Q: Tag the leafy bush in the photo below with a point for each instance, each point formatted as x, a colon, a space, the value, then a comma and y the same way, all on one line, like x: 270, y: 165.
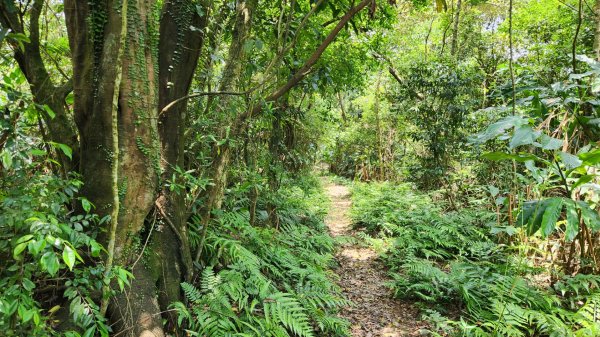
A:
x: 260, y: 281
x: 51, y: 275
x: 47, y: 253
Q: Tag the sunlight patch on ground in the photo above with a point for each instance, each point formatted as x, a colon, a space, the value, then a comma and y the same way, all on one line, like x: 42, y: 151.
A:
x: 360, y: 254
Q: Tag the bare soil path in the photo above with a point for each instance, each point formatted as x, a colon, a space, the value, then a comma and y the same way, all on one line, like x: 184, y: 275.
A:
x: 363, y: 277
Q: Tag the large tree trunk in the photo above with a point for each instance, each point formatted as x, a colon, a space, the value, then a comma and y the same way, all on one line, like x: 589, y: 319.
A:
x: 177, y: 63
x: 95, y: 30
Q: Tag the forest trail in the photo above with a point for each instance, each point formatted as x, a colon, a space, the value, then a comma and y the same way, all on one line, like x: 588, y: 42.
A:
x: 362, y: 278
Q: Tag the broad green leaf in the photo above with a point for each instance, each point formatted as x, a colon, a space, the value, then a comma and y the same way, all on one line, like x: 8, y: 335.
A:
x: 590, y: 216
x: 25, y: 238
x: 50, y: 263
x: 49, y: 111
x: 572, y: 226
x: 19, y: 249
x: 25, y: 314
x: 535, y: 221
x: 36, y: 318
x: 570, y: 161
x: 550, y: 143
x: 35, y: 247
x: 96, y: 248
x: 70, y: 99
x: 590, y: 158
x: 6, y: 159
x: 584, y: 58
x: 89, y: 332
x: 21, y: 245
x: 535, y: 171
x: 499, y: 128
x: 28, y: 284
x: 580, y: 76
x: 86, y: 204
x: 64, y: 148
x: 69, y: 257
x: 521, y: 157
x: 523, y: 136
x: 11, y: 307
x: 525, y: 212
x: 509, y: 230
x: 37, y: 152
x: 584, y: 179
x: 551, y: 215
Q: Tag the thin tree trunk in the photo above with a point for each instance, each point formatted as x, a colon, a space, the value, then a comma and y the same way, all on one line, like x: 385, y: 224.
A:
x: 454, y: 45
x: 230, y: 82
x: 275, y: 139
x: 597, y: 30
x: 342, y: 108
x: 378, y: 129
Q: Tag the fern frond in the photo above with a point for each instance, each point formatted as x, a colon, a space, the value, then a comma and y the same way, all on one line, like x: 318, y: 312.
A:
x: 284, y: 308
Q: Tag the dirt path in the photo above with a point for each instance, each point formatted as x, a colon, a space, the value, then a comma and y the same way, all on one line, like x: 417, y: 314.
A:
x: 363, y: 278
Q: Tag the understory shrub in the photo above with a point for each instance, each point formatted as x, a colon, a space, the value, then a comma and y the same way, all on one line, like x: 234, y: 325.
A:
x: 50, y: 270
x: 263, y: 281
x: 452, y: 264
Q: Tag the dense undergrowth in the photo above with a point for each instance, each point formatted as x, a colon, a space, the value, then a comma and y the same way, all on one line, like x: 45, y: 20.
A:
x: 50, y: 271
x: 265, y: 281
x: 468, y: 282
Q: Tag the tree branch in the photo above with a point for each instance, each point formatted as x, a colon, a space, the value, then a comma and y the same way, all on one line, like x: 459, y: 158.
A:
x: 198, y: 94
x: 310, y: 62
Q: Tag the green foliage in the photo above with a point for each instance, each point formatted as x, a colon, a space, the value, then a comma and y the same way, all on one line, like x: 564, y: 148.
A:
x: 554, y: 155
x: 50, y: 270
x: 449, y: 258
x: 260, y: 281
x: 436, y: 97
x: 43, y: 241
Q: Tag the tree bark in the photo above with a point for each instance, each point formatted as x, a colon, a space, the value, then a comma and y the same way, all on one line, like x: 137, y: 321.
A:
x: 597, y: 30
x: 454, y: 45
x: 275, y: 140
x: 381, y: 164
x: 94, y: 34
x: 178, y: 58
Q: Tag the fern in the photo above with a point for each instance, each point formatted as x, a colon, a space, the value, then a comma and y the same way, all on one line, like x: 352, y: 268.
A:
x: 262, y: 282
x: 285, y: 309
x: 442, y: 258
x: 191, y: 293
